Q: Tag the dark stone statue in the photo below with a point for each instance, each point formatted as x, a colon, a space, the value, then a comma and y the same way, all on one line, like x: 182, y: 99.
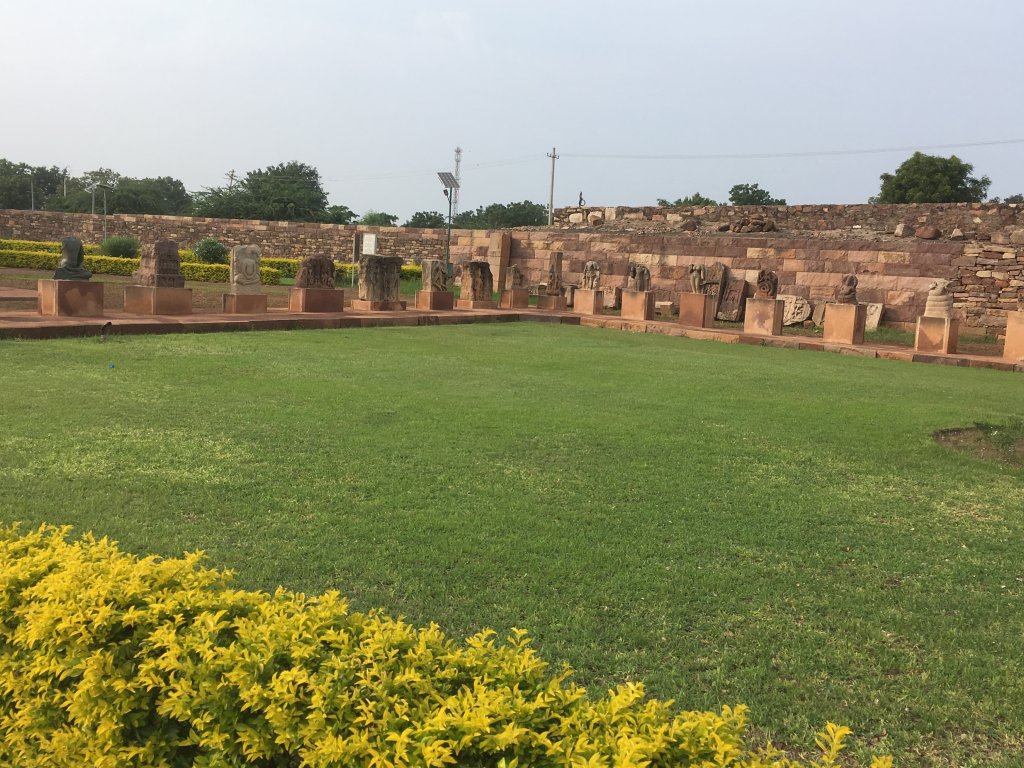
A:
x: 767, y: 284
x: 315, y: 272
x: 72, y: 255
x: 847, y: 293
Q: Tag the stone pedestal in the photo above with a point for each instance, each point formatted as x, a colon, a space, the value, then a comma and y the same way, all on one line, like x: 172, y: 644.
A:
x: 436, y: 300
x: 153, y: 300
x: 364, y: 305
x: 844, y: 323
x: 763, y: 317
x: 1013, y: 348
x: 696, y: 310
x: 554, y: 303
x: 637, y: 305
x: 475, y: 304
x: 245, y: 303
x: 515, y: 298
x: 588, y: 302
x: 936, y: 335
x: 316, y: 300
x: 69, y: 298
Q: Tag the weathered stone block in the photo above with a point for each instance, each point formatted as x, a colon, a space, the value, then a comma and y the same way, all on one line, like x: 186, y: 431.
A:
x: 316, y: 300
x: 1013, y: 348
x: 69, y: 298
x: 763, y: 317
x: 696, y: 310
x: 244, y: 303
x: 154, y: 300
x: 936, y: 335
x: 637, y: 305
x: 435, y: 300
x: 588, y: 302
x: 845, y: 323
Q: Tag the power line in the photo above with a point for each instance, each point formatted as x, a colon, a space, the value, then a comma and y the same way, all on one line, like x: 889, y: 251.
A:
x: 770, y: 155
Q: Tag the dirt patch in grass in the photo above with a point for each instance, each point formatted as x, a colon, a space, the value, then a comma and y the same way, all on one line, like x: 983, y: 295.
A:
x: 1003, y: 443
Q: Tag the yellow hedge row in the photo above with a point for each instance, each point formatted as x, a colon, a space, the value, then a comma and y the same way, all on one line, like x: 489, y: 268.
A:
x: 107, y: 660
x: 41, y: 246
x: 113, y: 265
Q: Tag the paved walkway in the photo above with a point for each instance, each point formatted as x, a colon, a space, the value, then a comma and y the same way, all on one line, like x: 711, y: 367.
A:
x: 28, y: 324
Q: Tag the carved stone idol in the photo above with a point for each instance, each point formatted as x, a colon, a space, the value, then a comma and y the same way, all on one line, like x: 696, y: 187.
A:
x: 554, y: 284
x: 245, y: 269
x: 591, y: 276
x: 767, y: 284
x: 315, y: 272
x: 380, y: 278
x: 940, y: 301
x: 698, y: 275
x: 477, y: 282
x: 847, y: 292
x: 515, y: 280
x: 72, y: 255
x: 639, y: 278
x: 435, y: 275
x: 160, y: 266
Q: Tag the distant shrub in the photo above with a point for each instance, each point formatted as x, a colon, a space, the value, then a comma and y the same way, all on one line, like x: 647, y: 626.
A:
x: 121, y: 246
x: 210, y: 250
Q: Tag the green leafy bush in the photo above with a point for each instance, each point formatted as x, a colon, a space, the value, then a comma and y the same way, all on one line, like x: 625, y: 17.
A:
x: 121, y: 246
x: 111, y: 660
x: 210, y: 250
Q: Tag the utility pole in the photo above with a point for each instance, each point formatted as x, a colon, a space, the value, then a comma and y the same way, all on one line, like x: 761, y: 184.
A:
x: 32, y: 188
x: 458, y: 178
x: 230, y: 176
x: 551, y: 194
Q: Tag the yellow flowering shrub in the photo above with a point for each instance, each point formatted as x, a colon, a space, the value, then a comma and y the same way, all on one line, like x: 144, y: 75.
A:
x: 114, y: 265
x: 108, y: 660
x: 45, y: 246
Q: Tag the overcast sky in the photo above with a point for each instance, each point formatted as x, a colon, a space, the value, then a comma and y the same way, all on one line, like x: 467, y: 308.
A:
x: 377, y: 95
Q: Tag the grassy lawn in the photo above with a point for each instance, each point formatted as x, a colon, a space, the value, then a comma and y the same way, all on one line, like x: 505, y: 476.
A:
x: 725, y: 523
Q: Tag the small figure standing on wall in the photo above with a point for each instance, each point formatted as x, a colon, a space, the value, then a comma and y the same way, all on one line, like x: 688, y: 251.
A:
x: 582, y: 202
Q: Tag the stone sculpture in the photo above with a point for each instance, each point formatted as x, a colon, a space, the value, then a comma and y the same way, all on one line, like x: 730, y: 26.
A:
x: 940, y: 301
x: 380, y: 278
x: 847, y: 292
x: 245, y: 269
x: 698, y: 274
x: 72, y: 255
x: 767, y: 284
x: 714, y: 284
x: 795, y: 310
x: 315, y: 272
x: 732, y: 304
x: 435, y: 275
x: 591, y: 276
x: 515, y: 280
x: 554, y: 284
x: 639, y: 278
x: 159, y: 266
x: 477, y: 282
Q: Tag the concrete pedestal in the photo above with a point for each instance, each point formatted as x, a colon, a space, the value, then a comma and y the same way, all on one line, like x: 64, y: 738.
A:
x: 936, y: 335
x: 696, y: 310
x: 316, y: 300
x: 763, y: 317
x: 436, y: 300
x: 149, y: 300
x: 1013, y: 348
x: 588, y: 302
x: 515, y: 298
x: 245, y: 303
x: 69, y: 298
x: 471, y: 304
x: 844, y: 323
x: 637, y: 305
x: 364, y: 305
x: 554, y: 303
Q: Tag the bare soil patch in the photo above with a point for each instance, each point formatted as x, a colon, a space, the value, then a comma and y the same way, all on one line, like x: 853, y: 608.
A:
x: 1003, y: 443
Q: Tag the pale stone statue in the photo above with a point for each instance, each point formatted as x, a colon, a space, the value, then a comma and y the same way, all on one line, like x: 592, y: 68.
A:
x: 72, y: 255
x: 515, y: 280
x: 477, y: 282
x: 639, y: 278
x: 554, y: 284
x: 591, y: 276
x: 847, y: 293
x: 698, y: 275
x: 315, y: 272
x: 435, y: 275
x: 767, y: 284
x: 940, y: 301
x: 380, y: 278
x: 160, y: 266
x: 245, y: 269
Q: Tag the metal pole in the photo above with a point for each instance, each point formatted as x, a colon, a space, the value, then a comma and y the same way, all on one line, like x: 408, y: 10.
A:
x: 104, y: 214
x: 448, y: 242
x: 551, y: 194
x: 93, y: 190
x: 32, y: 188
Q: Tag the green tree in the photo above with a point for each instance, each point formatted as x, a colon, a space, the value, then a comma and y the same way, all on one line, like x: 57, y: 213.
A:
x: 932, y: 179
x: 696, y: 199
x: 284, y: 192
x: 427, y: 220
x: 378, y: 219
x: 19, y: 180
x: 1018, y: 199
x: 340, y: 214
x: 163, y: 195
x: 503, y: 216
x: 752, y: 194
